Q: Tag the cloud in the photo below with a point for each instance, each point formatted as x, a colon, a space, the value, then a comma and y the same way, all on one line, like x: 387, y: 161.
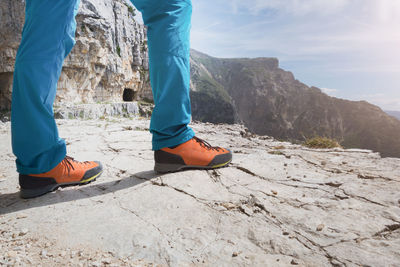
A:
x: 294, y: 7
x: 381, y: 10
x: 329, y: 91
x: 385, y: 69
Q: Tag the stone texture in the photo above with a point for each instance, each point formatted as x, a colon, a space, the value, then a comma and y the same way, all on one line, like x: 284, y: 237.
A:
x: 12, y: 16
x: 278, y: 204
x: 102, y: 111
x: 110, y: 54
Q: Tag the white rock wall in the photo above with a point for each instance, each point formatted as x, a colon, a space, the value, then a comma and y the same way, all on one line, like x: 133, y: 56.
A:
x: 110, y: 54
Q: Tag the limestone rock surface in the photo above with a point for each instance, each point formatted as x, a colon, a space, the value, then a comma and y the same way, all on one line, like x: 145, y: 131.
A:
x: 278, y: 204
x: 103, y: 111
x: 109, y: 62
x: 12, y: 16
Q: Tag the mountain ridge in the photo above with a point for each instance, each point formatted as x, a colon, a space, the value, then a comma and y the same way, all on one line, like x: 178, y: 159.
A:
x: 271, y: 101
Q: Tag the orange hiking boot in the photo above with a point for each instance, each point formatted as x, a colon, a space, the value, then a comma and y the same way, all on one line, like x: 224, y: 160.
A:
x: 193, y: 154
x: 67, y: 172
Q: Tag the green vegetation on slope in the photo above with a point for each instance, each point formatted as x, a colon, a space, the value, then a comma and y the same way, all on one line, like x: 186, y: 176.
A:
x: 321, y: 142
x: 212, y: 88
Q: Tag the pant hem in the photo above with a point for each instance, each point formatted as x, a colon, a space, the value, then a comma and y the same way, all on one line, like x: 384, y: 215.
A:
x: 189, y: 134
x: 46, y: 161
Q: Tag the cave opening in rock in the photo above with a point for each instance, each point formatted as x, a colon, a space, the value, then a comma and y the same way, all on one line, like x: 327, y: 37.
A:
x: 128, y: 95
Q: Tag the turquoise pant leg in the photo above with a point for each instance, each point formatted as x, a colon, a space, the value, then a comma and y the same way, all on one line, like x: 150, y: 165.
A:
x: 168, y: 23
x: 47, y: 38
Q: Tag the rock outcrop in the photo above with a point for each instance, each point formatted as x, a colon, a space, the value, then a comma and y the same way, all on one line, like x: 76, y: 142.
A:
x: 278, y: 204
x: 12, y: 16
x: 269, y: 100
x: 109, y: 62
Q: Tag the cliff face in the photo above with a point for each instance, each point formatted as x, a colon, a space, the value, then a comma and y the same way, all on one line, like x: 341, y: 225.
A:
x: 209, y: 99
x: 109, y: 62
x: 270, y: 101
x: 11, y: 22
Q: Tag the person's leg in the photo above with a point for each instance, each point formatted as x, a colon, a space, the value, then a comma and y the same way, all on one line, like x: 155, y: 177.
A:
x: 47, y: 38
x: 168, y: 34
x: 175, y: 146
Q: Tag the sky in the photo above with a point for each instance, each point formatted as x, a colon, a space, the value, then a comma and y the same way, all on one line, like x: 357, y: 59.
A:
x: 348, y: 48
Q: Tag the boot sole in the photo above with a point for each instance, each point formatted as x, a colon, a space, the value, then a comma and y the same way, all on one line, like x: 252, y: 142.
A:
x: 31, y: 193
x: 166, y: 168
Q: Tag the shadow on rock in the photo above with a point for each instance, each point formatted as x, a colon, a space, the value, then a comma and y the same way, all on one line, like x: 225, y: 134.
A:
x: 10, y: 203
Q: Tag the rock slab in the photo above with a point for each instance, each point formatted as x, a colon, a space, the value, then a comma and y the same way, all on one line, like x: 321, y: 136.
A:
x: 278, y: 204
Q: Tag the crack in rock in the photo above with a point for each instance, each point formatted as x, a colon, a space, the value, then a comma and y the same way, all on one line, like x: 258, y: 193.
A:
x: 319, y: 247
x: 335, y: 171
x: 371, y: 177
x: 202, y: 201
x: 362, y: 198
x: 388, y: 230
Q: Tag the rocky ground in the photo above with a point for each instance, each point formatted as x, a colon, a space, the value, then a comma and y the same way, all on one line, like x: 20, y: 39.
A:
x: 278, y: 204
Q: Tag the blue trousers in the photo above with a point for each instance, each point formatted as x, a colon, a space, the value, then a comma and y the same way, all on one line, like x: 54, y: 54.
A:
x: 48, y: 37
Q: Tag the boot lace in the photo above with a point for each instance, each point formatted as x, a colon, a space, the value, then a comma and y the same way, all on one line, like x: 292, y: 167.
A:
x: 206, y: 145
x: 68, y: 163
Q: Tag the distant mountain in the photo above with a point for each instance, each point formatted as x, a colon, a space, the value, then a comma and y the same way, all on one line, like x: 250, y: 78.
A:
x: 393, y: 113
x: 270, y: 101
